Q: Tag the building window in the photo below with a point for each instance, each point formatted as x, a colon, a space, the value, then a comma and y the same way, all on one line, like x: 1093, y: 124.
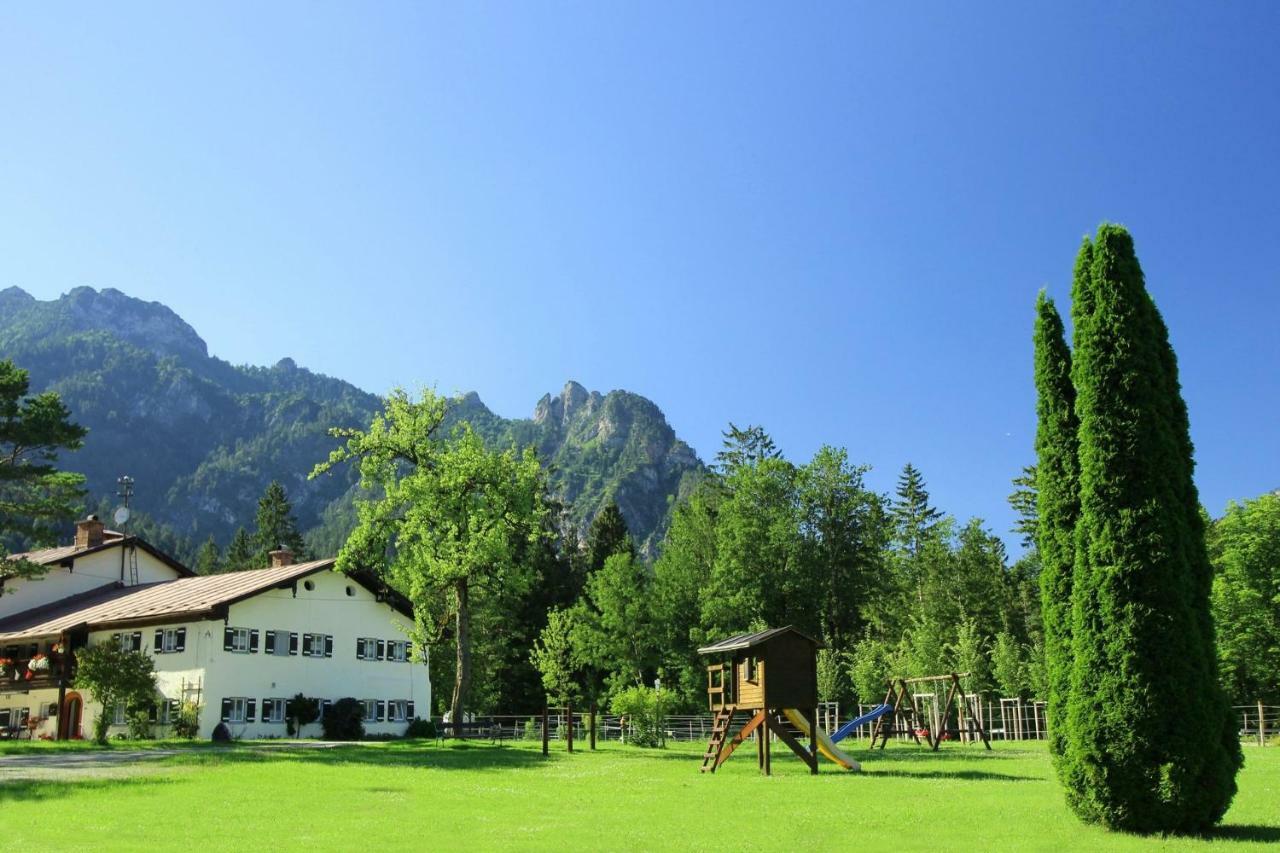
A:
x: 237, y: 710
x: 317, y: 645
x: 366, y: 648
x: 170, y: 640
x: 240, y: 640
x: 273, y: 710
x: 398, y: 710
x: 120, y: 715
x: 129, y: 642
x: 371, y: 710
x: 280, y: 643
x: 751, y: 669
x: 397, y: 651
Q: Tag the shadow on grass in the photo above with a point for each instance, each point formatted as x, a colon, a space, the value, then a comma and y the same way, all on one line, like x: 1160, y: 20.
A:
x: 962, y: 775
x: 397, y: 754
x: 40, y: 790
x: 1247, y: 832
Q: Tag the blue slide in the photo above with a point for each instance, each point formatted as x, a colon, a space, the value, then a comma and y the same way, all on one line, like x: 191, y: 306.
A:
x: 851, y: 726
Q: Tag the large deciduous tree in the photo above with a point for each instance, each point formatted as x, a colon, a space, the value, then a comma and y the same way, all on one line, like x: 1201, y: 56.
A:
x: 443, y: 520
x: 1150, y: 742
x: 1246, y: 598
x: 35, y: 497
x: 114, y: 676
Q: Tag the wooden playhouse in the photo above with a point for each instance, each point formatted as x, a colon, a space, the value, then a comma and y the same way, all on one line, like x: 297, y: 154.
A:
x: 759, y: 679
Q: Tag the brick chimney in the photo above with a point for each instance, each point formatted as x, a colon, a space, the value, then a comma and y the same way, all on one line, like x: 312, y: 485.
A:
x: 89, y: 532
x: 282, y: 556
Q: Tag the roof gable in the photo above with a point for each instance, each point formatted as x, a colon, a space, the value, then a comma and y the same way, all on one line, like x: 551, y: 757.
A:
x: 740, y: 642
x: 66, y: 555
x: 197, y: 597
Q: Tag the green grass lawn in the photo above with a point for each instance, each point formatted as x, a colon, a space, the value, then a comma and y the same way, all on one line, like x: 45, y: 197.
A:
x: 413, y: 795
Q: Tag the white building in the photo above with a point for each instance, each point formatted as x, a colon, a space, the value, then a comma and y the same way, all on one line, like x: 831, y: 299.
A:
x: 238, y: 644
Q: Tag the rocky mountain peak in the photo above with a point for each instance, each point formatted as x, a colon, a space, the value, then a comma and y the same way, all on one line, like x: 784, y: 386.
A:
x: 12, y: 298
x: 146, y: 325
x: 559, y: 411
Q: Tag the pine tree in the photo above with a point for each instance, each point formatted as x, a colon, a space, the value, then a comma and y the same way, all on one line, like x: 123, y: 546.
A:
x: 749, y: 446
x: 1150, y: 740
x: 208, y: 558
x: 912, y: 515
x: 242, y: 553
x: 608, y: 536
x: 914, y: 523
x: 1057, y: 500
x: 277, y: 528
x: 35, y: 497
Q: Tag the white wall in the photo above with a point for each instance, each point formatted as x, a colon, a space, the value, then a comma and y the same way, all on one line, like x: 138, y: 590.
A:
x: 326, y: 609
x: 90, y: 571
x: 34, y: 702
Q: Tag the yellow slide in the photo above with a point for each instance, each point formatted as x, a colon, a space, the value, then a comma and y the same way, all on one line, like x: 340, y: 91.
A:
x: 825, y: 746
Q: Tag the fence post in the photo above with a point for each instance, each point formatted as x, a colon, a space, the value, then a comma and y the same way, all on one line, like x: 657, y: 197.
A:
x: 1262, y: 727
x: 593, y: 725
x: 546, y: 719
x: 569, y: 713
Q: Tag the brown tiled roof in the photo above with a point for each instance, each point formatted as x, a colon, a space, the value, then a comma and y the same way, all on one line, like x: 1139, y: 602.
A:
x: 111, y: 539
x: 194, y: 597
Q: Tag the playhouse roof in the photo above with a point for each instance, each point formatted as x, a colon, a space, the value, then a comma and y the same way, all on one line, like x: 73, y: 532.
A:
x: 738, y: 642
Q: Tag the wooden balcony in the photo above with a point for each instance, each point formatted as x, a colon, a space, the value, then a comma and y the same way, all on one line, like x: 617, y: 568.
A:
x: 19, y: 679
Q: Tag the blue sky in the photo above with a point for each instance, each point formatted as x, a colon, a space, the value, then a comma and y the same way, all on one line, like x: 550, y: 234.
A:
x: 831, y: 221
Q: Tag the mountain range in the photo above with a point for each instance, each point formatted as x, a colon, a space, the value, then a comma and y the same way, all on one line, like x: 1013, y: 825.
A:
x: 202, y: 437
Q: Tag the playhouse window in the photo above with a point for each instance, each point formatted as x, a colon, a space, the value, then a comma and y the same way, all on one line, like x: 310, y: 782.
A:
x: 751, y: 669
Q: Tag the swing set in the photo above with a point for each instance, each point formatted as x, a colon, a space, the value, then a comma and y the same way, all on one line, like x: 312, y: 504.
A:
x: 933, y: 707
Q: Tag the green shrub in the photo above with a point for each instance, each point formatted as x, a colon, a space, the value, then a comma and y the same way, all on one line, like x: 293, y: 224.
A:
x: 300, y: 712
x: 187, y: 724
x: 420, y: 728
x: 344, y: 720
x: 140, y: 725
x: 531, y: 730
x: 645, y: 713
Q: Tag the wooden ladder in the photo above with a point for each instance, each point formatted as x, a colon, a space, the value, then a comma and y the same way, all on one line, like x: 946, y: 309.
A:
x: 719, y: 730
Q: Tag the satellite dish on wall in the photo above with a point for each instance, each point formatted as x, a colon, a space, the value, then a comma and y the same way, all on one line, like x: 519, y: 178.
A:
x: 122, y: 515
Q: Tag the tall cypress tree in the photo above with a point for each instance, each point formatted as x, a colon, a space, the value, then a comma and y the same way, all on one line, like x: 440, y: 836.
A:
x: 1057, y: 501
x: 1149, y: 743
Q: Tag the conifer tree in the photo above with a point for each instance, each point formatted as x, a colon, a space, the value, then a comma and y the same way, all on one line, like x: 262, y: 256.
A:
x: 1150, y: 739
x: 241, y: 553
x: 35, y: 497
x: 608, y: 536
x: 914, y: 522
x: 208, y: 558
x: 277, y: 528
x: 912, y: 515
x: 1057, y: 500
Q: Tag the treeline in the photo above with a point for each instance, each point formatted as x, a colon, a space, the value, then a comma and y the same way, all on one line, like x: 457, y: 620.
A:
x: 888, y: 583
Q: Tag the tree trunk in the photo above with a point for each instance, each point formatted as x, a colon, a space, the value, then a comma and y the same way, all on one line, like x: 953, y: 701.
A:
x: 462, y: 674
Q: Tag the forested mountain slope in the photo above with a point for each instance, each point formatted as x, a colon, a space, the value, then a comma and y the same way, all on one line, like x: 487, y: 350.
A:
x: 202, y: 438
